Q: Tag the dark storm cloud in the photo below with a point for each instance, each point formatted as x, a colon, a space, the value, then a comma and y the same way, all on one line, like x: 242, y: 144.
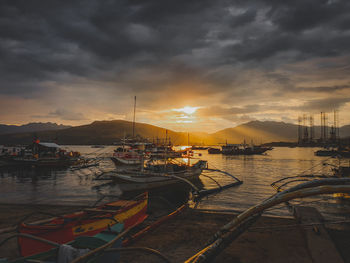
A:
x: 244, y: 18
x: 299, y: 15
x: 63, y: 114
x: 145, y: 47
x: 327, y: 104
x: 326, y: 89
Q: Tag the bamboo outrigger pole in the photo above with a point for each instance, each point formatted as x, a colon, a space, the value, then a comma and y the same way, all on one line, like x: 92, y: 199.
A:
x: 231, y: 230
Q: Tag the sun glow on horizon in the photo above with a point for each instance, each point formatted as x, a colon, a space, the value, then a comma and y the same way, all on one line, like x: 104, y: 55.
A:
x: 187, y: 109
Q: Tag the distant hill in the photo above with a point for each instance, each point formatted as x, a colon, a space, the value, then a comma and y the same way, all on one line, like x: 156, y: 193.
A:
x: 345, y: 131
x: 268, y: 131
x: 31, y: 127
x: 98, y: 132
x: 108, y: 132
x: 259, y: 132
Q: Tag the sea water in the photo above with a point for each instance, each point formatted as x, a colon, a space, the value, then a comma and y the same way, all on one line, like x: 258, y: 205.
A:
x: 66, y: 187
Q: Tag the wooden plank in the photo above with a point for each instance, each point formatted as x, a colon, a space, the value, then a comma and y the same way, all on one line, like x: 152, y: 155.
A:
x: 319, y: 243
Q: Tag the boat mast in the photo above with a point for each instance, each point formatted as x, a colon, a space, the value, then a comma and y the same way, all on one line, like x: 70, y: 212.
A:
x: 166, y: 150
x: 133, y: 123
x: 188, y: 150
x: 166, y: 137
x: 124, y: 142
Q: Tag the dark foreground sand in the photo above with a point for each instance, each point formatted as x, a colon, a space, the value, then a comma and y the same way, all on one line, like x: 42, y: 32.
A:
x: 184, y: 235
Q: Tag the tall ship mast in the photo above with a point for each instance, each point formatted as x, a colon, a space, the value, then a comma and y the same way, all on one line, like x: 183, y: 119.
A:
x: 133, y: 122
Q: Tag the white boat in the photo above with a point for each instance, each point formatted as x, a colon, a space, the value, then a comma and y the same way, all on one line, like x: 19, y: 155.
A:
x: 160, y: 175
x: 131, y: 154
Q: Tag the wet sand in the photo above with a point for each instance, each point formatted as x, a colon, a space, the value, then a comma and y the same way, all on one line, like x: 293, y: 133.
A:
x: 183, y: 236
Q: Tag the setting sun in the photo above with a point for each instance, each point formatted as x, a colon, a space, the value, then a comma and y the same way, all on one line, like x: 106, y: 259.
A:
x: 187, y: 109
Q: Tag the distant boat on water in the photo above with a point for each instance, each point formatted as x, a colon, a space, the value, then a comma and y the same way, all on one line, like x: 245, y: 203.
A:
x: 212, y: 150
x: 243, y: 149
x: 39, y: 154
x: 194, y: 147
x: 340, y: 151
x: 326, y: 153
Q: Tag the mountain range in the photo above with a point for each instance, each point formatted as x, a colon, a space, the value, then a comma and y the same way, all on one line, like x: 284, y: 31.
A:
x: 108, y: 132
x: 31, y: 127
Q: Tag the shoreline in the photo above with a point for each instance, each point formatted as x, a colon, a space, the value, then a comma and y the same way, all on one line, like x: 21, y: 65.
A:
x: 184, y: 235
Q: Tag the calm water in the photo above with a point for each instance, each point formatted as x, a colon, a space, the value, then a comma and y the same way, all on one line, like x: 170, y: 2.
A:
x: 257, y: 172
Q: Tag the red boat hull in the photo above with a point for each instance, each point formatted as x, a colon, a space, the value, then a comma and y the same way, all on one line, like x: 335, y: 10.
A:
x: 86, y: 223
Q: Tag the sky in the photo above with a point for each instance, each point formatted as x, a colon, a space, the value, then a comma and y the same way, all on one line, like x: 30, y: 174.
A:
x: 193, y: 65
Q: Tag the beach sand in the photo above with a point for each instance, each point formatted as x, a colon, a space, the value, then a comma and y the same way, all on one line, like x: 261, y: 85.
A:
x: 184, y: 235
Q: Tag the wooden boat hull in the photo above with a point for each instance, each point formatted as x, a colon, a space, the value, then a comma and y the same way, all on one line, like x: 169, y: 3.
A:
x: 86, y: 223
x: 134, y: 182
x: 326, y: 153
x: 162, y: 155
x: 42, y: 162
x: 214, y: 151
x: 121, y: 161
x: 244, y: 152
x: 138, y: 187
x: 142, y: 179
x: 83, y: 242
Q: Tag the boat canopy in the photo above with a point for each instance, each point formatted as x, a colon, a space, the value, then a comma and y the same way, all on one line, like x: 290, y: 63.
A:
x: 49, y: 145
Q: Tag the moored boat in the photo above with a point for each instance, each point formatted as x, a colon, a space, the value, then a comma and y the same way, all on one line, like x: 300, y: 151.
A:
x: 161, y: 151
x: 344, y: 152
x: 88, y: 222
x: 243, y: 149
x: 40, y: 154
x: 81, y: 249
x: 196, y: 147
x: 326, y: 153
x: 129, y: 154
x: 212, y: 150
x: 158, y: 175
x: 97, y: 146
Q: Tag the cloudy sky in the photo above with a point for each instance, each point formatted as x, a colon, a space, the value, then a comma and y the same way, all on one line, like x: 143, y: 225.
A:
x: 193, y: 65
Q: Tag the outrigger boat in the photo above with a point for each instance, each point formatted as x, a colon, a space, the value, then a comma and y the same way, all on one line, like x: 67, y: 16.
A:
x: 238, y: 149
x: 40, y: 154
x: 88, y: 222
x: 81, y: 249
x: 212, y: 150
x: 158, y: 175
x: 129, y: 154
x: 165, y: 150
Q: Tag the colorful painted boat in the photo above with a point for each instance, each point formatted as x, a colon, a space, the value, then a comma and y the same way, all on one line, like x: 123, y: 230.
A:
x: 82, y: 249
x: 88, y: 222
